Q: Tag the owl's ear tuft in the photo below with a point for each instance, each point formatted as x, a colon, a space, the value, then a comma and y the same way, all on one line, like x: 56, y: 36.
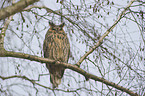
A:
x: 51, y: 24
x: 62, y: 25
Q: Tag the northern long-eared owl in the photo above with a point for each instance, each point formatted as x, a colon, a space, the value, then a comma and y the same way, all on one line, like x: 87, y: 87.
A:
x: 56, y: 47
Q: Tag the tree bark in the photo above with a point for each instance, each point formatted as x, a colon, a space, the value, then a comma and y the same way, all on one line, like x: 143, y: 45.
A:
x: 15, y: 8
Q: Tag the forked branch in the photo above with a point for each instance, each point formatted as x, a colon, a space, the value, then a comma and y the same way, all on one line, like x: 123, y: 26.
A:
x: 104, y: 35
x: 15, y: 8
x: 69, y: 66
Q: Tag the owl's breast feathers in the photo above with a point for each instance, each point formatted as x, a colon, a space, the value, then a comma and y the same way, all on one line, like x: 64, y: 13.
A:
x: 56, y: 46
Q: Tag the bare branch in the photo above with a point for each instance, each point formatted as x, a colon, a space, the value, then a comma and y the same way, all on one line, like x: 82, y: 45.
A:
x: 41, y: 7
x: 104, y: 35
x: 2, y: 35
x: 34, y: 82
x: 69, y: 66
x: 25, y: 78
x: 15, y: 8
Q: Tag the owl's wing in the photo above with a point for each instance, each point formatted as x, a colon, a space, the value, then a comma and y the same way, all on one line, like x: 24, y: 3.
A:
x: 46, y: 46
x: 66, y: 50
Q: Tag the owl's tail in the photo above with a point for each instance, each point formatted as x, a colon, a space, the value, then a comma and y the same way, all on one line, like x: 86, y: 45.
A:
x: 55, y: 80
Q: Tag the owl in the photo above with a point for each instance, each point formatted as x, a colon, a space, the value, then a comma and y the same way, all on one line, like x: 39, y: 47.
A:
x: 56, y: 47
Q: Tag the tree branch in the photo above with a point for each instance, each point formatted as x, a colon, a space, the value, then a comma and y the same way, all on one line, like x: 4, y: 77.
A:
x: 2, y: 34
x: 34, y: 82
x: 67, y: 65
x: 104, y: 35
x: 15, y: 8
x: 42, y: 7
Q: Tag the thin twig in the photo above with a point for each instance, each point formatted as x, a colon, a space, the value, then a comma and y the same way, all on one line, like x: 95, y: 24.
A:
x: 104, y: 35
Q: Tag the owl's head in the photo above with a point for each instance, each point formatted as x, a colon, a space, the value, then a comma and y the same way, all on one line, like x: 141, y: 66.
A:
x: 56, y: 28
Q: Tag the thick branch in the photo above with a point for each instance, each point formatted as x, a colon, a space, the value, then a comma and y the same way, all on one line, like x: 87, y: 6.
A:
x: 104, y: 35
x: 2, y: 35
x: 15, y: 8
x: 69, y: 66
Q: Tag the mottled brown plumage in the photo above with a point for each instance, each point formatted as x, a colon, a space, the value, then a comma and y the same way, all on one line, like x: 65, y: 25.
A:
x: 56, y: 46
